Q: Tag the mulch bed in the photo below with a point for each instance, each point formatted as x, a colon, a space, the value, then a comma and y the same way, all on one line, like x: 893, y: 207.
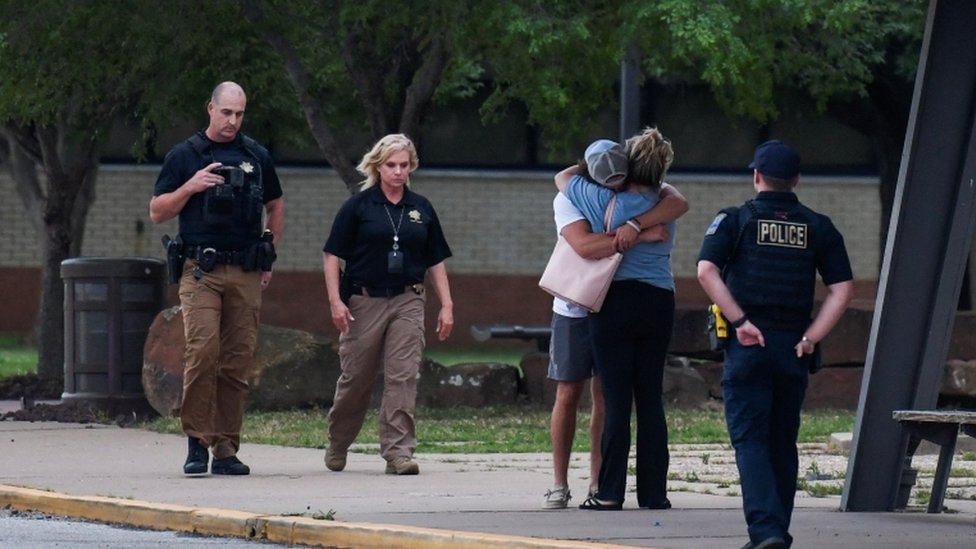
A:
x: 29, y: 387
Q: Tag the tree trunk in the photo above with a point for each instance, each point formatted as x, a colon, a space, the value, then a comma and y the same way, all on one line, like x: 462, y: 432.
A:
x: 64, y: 222
x: 883, y: 116
x: 300, y: 80
x: 50, y: 319
x: 890, y: 104
x: 58, y: 211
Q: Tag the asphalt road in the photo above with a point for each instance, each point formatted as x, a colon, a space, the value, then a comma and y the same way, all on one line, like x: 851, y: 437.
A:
x: 39, y: 531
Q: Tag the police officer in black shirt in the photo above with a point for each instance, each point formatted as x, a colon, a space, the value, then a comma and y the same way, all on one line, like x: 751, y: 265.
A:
x: 389, y: 237
x: 759, y: 263
x: 220, y: 183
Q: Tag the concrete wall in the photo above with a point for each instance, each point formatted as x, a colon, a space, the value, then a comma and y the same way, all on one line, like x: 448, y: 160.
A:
x: 499, y: 226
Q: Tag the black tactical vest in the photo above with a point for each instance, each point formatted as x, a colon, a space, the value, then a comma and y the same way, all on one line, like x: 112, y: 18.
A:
x: 237, y: 206
x: 774, y: 272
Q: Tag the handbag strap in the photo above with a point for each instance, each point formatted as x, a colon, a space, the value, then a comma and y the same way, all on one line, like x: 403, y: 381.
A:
x: 608, y: 213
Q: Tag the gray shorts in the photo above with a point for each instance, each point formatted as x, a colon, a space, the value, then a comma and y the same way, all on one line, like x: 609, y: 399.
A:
x: 570, y: 351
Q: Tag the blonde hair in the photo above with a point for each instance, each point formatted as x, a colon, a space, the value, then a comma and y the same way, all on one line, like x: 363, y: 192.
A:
x: 381, y: 151
x: 650, y: 155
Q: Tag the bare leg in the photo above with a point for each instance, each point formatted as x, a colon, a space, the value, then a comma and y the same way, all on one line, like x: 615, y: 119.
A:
x: 563, y: 428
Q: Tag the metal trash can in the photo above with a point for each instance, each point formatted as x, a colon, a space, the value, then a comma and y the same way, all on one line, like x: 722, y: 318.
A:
x: 109, y: 304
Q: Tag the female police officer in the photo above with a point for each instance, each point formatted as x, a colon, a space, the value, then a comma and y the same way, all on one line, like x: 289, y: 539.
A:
x: 389, y: 237
x: 771, y: 250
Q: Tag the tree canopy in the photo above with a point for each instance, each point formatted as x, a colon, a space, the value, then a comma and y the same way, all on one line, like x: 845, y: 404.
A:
x: 347, y: 72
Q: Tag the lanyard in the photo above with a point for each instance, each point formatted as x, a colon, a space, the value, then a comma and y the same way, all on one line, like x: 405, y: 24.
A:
x: 396, y: 228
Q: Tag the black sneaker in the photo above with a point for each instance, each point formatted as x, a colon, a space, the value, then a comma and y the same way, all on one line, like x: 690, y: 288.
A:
x: 771, y: 543
x: 229, y: 466
x: 196, y: 458
x: 663, y: 504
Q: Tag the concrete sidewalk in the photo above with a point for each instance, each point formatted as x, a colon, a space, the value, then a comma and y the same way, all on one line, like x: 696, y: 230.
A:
x: 134, y: 477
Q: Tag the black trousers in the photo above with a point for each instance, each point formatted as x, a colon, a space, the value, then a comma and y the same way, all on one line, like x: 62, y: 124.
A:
x: 630, y: 335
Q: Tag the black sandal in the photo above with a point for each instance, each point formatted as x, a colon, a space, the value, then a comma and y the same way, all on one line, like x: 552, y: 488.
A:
x: 593, y: 504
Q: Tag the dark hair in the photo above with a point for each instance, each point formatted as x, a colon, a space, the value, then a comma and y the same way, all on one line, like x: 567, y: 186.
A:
x: 778, y: 183
x: 584, y: 171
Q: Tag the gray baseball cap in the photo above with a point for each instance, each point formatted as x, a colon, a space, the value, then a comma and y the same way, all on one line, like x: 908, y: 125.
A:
x: 606, y: 161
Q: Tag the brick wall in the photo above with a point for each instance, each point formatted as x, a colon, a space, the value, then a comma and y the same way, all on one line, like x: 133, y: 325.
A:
x: 497, y: 223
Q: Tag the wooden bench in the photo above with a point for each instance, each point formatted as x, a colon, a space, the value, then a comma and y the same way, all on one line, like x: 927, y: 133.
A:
x: 939, y: 427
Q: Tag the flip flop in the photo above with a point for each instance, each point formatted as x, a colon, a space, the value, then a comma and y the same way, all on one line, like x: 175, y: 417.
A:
x: 593, y: 504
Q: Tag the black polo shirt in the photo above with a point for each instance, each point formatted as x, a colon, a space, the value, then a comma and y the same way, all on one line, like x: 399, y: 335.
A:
x: 362, y: 234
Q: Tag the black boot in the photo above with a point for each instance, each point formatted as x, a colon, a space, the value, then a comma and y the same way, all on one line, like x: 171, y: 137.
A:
x: 196, y: 458
x: 229, y: 466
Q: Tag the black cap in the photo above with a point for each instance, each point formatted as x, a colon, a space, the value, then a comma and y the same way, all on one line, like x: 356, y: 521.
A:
x: 776, y: 159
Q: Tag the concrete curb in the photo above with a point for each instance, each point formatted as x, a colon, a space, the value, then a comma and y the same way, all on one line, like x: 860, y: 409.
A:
x: 272, y: 528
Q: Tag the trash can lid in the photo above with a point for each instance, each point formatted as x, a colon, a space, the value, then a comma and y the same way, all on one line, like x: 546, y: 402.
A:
x: 125, y: 267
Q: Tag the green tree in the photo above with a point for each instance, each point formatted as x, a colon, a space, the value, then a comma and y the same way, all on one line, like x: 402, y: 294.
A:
x: 354, y: 71
x: 855, y: 59
x: 363, y: 69
x: 56, y: 108
x: 364, y: 61
x: 69, y: 70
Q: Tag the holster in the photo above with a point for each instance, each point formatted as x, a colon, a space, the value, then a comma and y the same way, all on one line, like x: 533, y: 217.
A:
x: 816, y: 360
x: 250, y: 258
x: 266, y: 254
x: 174, y: 257
x: 260, y: 255
x: 717, y: 328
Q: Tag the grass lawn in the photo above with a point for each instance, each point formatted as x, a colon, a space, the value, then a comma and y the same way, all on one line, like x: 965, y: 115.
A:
x: 17, y: 356
x: 517, y: 428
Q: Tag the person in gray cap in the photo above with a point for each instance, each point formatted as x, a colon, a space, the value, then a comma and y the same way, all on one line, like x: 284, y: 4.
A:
x: 571, y: 360
x: 759, y: 264
x: 631, y: 333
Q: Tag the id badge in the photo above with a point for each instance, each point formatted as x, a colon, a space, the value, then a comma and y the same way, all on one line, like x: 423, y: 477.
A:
x: 394, y: 262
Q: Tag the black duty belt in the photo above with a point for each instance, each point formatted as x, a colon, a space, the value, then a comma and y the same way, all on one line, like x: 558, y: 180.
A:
x: 370, y: 291
x: 221, y: 257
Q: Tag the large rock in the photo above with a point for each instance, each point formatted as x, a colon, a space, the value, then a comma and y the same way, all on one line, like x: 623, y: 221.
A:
x: 291, y: 369
x: 683, y: 385
x: 296, y: 369
x: 534, y: 383
x: 162, y: 362
x: 480, y: 384
x: 959, y: 378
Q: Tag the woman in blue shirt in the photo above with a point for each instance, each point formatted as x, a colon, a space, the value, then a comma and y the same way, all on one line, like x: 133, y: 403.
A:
x: 632, y: 331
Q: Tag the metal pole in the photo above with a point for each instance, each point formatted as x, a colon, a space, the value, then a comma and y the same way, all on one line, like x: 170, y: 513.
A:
x: 924, y: 263
x: 630, y: 94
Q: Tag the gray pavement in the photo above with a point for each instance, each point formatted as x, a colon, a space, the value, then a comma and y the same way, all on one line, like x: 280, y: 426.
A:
x: 134, y: 477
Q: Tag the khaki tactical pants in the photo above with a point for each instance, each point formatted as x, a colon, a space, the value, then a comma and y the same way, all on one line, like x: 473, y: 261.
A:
x: 220, y: 317
x: 387, y: 336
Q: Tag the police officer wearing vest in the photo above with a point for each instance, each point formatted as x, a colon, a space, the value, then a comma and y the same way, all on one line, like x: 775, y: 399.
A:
x: 220, y: 183
x: 759, y: 263
x: 389, y: 238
